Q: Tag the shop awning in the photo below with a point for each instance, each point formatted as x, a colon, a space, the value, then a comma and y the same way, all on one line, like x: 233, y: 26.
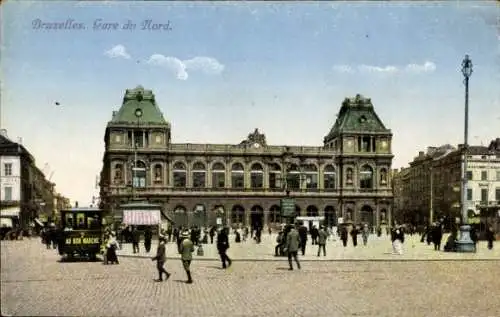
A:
x: 10, y: 212
x: 141, y: 217
x: 6, y: 222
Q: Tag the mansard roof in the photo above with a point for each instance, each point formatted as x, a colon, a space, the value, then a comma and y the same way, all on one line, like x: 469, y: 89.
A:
x: 138, y: 98
x: 357, y: 115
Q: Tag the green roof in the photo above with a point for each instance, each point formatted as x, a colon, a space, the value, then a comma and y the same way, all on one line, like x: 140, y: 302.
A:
x: 142, y: 99
x: 356, y: 115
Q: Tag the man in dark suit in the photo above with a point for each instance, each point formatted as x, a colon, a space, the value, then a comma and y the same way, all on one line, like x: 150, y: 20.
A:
x: 292, y: 247
x: 222, y: 246
x: 303, y: 238
x: 160, y: 260
x: 136, y: 237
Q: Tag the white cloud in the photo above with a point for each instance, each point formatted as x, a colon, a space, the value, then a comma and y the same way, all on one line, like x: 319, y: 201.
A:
x: 427, y: 67
x: 205, y: 64
x: 117, y: 51
x: 343, y: 69
x: 378, y: 69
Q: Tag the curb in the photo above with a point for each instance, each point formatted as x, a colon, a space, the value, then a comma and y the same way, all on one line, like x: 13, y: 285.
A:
x: 284, y: 259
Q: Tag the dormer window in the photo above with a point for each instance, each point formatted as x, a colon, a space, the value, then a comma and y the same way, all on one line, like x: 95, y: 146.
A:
x: 362, y: 119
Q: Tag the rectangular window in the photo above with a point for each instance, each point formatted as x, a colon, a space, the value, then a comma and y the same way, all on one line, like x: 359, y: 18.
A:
x: 256, y: 180
x: 484, y: 195
x: 312, y: 181
x: 130, y: 139
x: 293, y: 181
x: 274, y: 180
x: 498, y: 175
x: 238, y: 180
x: 484, y: 175
x: 469, y: 194
x: 7, y: 167
x: 218, y: 179
x: 329, y: 180
x: 199, y: 179
x: 8, y: 193
x: 497, y: 194
x: 469, y: 175
x: 139, y: 139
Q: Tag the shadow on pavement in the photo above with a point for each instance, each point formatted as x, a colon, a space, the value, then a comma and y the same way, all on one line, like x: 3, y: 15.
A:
x: 77, y: 260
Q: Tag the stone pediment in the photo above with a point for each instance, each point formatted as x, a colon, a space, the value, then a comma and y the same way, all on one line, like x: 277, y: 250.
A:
x: 254, y: 139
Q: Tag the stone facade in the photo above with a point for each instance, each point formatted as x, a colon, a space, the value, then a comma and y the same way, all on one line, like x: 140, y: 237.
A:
x: 244, y: 183
x: 433, y: 179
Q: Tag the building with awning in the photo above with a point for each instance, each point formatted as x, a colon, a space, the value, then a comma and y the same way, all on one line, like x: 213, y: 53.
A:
x: 142, y: 213
x: 9, y: 216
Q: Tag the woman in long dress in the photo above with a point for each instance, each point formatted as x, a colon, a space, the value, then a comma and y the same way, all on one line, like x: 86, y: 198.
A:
x: 397, y: 240
x: 112, y: 246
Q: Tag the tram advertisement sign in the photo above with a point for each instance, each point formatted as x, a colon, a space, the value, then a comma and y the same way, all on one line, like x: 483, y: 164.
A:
x: 288, y: 207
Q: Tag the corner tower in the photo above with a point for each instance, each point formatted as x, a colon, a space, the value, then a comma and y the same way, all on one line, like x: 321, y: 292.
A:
x: 136, y: 144
x: 363, y: 157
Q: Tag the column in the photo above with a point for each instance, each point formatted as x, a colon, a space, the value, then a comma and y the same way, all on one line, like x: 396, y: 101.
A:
x: 189, y: 178
x: 170, y: 175
x: 321, y: 177
x: 266, y: 176
x: 209, y: 176
x: 266, y: 218
x: 389, y: 216
x: 246, y: 218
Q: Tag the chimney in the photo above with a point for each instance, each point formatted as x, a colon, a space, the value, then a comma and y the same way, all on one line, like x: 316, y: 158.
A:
x: 421, y: 153
x: 114, y: 114
x: 20, y: 140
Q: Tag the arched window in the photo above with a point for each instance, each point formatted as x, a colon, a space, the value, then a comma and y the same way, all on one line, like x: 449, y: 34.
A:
x: 293, y: 178
x: 312, y: 211
x: 199, y: 175
x: 237, y: 176
x: 275, y: 214
x: 330, y: 177
x: 237, y: 215
x: 180, y: 216
x: 179, y: 173
x: 118, y: 175
x: 218, y: 175
x: 366, y: 177
x: 274, y: 176
x: 311, y: 176
x: 158, y: 174
x: 257, y: 175
x: 139, y: 175
x: 383, y: 176
x: 330, y: 216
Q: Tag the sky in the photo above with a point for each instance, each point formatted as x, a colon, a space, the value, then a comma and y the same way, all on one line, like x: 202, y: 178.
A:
x: 220, y: 70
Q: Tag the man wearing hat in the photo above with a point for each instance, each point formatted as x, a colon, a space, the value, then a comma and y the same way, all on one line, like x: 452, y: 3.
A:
x: 160, y: 259
x: 186, y: 250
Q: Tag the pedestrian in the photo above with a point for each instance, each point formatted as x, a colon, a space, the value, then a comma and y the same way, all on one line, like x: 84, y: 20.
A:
x: 490, y: 237
x: 187, y: 249
x: 303, y: 238
x: 322, y: 236
x: 343, y: 236
x: 354, y: 235
x: 111, y: 247
x: 212, y: 234
x: 222, y: 246
x: 280, y: 242
x: 437, y: 236
x: 292, y: 247
x: 160, y: 260
x: 148, y: 236
x: 365, y: 234
x: 397, y: 237
x: 136, y: 237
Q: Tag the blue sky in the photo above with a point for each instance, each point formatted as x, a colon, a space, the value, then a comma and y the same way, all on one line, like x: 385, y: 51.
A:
x: 223, y: 69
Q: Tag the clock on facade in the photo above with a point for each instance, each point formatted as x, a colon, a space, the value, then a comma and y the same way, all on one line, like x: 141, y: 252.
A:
x: 158, y: 139
x: 256, y: 145
x: 118, y: 138
x: 384, y: 144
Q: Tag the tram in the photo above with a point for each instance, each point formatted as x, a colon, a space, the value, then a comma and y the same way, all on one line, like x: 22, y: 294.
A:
x: 81, y: 232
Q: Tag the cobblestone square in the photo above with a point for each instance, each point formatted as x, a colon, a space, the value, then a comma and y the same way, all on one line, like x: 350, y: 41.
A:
x: 33, y: 282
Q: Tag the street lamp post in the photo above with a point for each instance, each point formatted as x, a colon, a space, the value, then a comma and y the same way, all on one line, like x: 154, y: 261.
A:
x: 465, y: 244
x: 138, y: 115
x: 431, y: 211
